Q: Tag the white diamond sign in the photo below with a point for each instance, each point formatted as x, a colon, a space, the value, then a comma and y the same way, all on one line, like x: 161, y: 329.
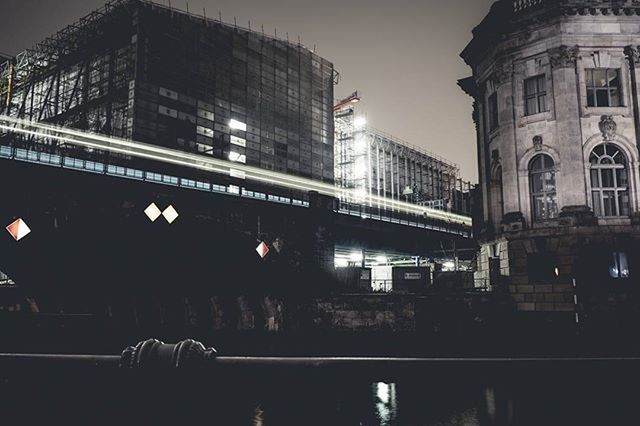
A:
x: 152, y: 212
x: 262, y: 249
x: 170, y: 214
x: 18, y: 229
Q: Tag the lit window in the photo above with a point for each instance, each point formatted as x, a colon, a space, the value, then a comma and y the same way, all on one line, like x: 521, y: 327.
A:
x: 205, y: 114
x: 609, y: 181
x: 535, y: 95
x: 238, y: 141
x: 238, y: 125
x: 204, y: 148
x: 237, y: 157
x: 619, y: 266
x: 603, y: 87
x: 542, y: 183
x: 204, y: 131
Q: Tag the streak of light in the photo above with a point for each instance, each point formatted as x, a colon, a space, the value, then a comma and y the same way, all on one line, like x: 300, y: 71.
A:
x: 177, y: 157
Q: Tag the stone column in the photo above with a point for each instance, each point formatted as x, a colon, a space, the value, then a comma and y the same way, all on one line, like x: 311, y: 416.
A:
x: 570, y: 181
x: 633, y: 56
x: 502, y: 78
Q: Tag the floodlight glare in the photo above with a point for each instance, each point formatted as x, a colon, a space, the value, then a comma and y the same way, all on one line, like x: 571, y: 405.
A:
x: 360, y: 122
x: 355, y: 256
x: 238, y: 125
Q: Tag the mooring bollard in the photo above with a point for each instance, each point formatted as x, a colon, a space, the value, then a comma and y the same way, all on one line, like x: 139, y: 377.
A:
x: 153, y: 353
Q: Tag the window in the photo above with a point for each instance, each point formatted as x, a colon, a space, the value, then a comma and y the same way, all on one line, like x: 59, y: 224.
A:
x: 492, y: 109
x: 603, y: 87
x: 237, y: 157
x: 619, y: 267
x: 609, y: 181
x: 542, y: 182
x: 535, y: 95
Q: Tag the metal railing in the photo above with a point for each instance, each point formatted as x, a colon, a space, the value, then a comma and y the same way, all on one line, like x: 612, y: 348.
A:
x: 189, y: 354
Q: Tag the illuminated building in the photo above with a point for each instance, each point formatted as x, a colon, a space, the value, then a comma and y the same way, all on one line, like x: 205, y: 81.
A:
x: 556, y: 109
x: 146, y: 72
x: 379, y: 167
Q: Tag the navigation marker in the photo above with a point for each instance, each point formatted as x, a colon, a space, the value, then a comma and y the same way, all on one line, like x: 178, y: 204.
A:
x: 18, y: 229
x: 262, y: 249
x: 170, y: 214
x: 152, y: 212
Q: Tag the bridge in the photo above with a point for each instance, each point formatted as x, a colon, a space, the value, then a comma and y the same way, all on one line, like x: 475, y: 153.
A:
x: 84, y: 194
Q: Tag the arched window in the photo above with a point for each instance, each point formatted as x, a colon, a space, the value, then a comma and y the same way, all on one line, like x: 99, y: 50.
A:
x: 542, y: 182
x: 609, y: 181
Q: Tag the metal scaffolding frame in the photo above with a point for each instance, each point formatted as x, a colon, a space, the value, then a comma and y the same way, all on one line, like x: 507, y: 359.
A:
x: 371, y: 162
x: 75, y: 77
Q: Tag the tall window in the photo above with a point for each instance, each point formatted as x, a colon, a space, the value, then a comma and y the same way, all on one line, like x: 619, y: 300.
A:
x: 609, y: 181
x: 492, y: 109
x: 535, y: 95
x: 603, y: 87
x: 542, y: 181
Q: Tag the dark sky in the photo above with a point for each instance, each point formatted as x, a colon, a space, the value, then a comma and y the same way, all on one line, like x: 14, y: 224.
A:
x: 402, y: 54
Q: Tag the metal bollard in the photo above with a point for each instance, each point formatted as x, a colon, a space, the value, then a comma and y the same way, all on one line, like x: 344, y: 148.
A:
x: 153, y: 353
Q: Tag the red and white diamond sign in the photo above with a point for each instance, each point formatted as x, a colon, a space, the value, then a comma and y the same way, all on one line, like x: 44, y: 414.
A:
x: 18, y: 229
x: 262, y: 249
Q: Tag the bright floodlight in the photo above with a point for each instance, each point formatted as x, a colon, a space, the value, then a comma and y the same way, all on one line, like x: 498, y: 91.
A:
x: 238, y: 125
x: 360, y: 122
x: 341, y: 263
x: 449, y: 266
x: 356, y: 256
x: 152, y: 212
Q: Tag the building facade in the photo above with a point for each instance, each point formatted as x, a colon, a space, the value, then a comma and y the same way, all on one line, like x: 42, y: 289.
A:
x: 146, y: 72
x: 555, y: 89
x: 377, y: 167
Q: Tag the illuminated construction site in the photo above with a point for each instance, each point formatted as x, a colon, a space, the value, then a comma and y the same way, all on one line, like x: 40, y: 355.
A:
x: 380, y: 168
x: 146, y: 72
x: 148, y: 94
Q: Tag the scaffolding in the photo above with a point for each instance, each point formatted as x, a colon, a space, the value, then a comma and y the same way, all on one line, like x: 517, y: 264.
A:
x: 75, y: 77
x: 370, y: 162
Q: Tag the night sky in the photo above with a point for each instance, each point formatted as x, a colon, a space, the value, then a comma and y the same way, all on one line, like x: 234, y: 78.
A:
x: 402, y: 55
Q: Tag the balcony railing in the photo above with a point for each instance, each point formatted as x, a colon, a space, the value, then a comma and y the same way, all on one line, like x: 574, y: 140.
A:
x: 521, y: 5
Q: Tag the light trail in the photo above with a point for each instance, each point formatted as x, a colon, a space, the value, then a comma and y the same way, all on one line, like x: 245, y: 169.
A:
x: 215, y: 165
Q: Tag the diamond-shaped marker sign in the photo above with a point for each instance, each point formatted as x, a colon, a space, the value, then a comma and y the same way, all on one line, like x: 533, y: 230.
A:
x: 152, y: 212
x: 262, y: 249
x: 18, y: 229
x: 170, y: 214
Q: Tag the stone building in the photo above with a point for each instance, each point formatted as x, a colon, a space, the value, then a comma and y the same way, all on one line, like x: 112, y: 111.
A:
x: 555, y: 87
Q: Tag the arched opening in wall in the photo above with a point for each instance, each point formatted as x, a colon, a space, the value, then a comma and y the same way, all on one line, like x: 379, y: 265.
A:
x: 542, y: 184
x: 609, y: 181
x: 496, y: 196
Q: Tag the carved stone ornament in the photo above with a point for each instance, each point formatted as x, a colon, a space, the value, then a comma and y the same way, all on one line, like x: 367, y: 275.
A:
x: 563, y: 57
x: 633, y: 54
x: 502, y: 71
x: 608, y: 127
x: 537, y: 142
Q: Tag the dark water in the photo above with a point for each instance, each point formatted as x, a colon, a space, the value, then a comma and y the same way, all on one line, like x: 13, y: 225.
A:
x: 603, y: 395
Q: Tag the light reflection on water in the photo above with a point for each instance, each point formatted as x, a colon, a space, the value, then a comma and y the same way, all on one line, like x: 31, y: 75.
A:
x: 504, y: 398
x: 540, y: 396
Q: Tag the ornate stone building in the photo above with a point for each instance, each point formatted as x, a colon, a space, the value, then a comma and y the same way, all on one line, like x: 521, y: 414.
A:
x: 555, y: 86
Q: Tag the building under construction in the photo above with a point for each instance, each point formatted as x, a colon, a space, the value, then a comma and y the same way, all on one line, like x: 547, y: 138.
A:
x: 380, y: 168
x: 146, y: 72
